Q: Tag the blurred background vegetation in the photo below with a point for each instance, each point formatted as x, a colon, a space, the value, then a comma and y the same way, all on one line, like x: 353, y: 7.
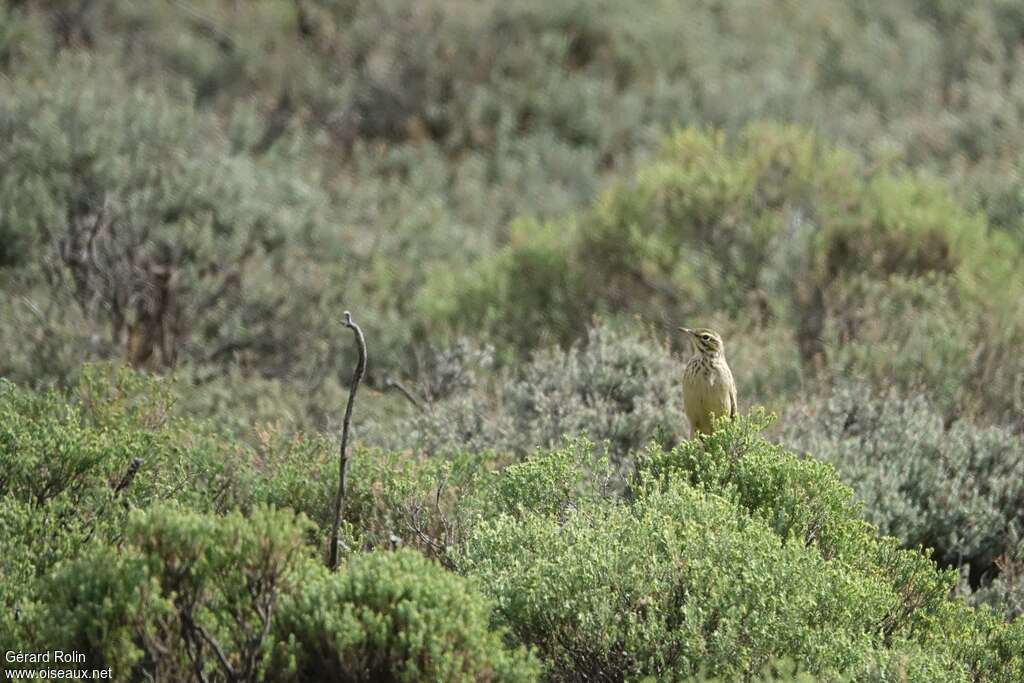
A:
x: 519, y: 201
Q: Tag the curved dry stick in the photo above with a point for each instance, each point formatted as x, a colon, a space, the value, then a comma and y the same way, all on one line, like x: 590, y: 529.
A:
x: 339, y: 499
x: 391, y: 383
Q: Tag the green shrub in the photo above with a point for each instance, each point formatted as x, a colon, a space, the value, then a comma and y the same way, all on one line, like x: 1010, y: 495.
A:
x: 729, y: 555
x: 82, y: 450
x: 190, y: 593
x: 108, y: 606
x: 74, y: 467
x: 526, y: 294
x: 804, y: 499
x: 392, y: 616
x: 907, y: 334
x: 798, y: 498
x: 393, y: 498
x: 36, y: 538
x: 612, y: 592
x: 723, y: 557
x: 690, y: 233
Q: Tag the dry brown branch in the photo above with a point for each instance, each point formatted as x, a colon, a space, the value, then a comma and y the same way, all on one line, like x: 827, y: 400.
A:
x: 392, y: 383
x: 339, y: 499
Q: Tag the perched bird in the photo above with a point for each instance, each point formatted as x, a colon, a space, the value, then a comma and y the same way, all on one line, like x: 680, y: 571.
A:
x: 708, y: 386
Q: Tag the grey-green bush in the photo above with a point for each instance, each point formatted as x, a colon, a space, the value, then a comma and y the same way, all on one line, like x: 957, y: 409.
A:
x: 957, y: 488
x: 144, y: 216
x: 1006, y: 592
x: 618, y: 386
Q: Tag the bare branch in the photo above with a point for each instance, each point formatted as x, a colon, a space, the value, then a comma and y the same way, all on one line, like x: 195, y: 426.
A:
x: 129, y: 475
x: 339, y: 500
x: 207, y: 27
x: 217, y: 650
x: 392, y: 383
x: 192, y: 649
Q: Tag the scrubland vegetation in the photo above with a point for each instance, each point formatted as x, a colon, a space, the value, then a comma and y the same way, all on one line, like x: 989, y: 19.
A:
x: 519, y: 202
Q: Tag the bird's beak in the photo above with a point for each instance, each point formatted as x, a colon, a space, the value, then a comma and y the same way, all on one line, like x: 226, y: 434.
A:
x: 687, y: 330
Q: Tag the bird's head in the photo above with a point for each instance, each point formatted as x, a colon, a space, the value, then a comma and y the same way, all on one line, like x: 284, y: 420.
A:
x: 705, y: 342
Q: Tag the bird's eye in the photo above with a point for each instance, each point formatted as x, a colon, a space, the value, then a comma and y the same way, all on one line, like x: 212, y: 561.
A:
x: 706, y: 337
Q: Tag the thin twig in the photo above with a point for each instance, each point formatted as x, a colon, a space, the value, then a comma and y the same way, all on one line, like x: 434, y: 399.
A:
x: 392, y: 383
x: 133, y: 469
x: 339, y: 499
x: 126, y: 479
x: 207, y: 26
x: 217, y: 650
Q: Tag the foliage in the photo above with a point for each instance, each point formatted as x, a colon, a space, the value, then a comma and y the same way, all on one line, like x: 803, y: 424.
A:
x: 192, y: 593
x: 772, y: 227
x: 200, y: 187
x: 392, y: 616
x: 291, y: 160
x: 144, y: 215
x: 80, y: 458
x: 1006, y: 592
x: 730, y: 554
x: 723, y: 557
x: 618, y: 386
x: 955, y: 487
x: 73, y: 470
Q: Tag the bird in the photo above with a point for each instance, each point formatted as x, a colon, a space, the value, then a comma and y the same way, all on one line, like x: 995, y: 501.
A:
x: 708, y: 386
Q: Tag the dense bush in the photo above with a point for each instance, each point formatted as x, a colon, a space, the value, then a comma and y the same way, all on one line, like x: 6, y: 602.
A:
x: 233, y: 597
x: 116, y: 445
x: 714, y: 221
x: 723, y: 557
x: 192, y: 593
x: 957, y: 488
x: 393, y: 499
x: 729, y: 555
x: 171, y: 582
x: 73, y: 470
x: 359, y: 155
x: 392, y: 616
x: 608, y: 593
x: 934, y: 84
x: 527, y: 121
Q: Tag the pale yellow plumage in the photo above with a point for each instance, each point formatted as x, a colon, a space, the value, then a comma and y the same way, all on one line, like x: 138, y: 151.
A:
x: 708, y: 385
